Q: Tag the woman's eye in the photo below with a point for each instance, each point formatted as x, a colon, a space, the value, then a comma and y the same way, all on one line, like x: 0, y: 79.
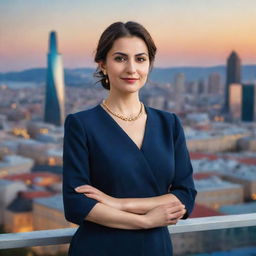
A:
x: 141, y: 59
x: 119, y: 58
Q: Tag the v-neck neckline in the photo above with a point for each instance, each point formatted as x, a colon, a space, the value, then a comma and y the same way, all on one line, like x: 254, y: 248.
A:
x: 115, y: 123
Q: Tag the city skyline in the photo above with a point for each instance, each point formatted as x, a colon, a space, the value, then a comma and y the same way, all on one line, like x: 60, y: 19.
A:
x: 198, y: 34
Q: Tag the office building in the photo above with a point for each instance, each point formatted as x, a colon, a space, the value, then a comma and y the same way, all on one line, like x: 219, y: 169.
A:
x: 54, y: 111
x: 233, y: 76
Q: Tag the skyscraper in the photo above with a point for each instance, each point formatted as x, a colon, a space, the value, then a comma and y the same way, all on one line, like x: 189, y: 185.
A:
x: 248, y: 102
x: 242, y: 99
x: 201, y: 86
x: 54, y: 111
x: 179, y: 83
x: 179, y: 90
x: 235, y: 102
x: 214, y: 83
x: 233, y: 76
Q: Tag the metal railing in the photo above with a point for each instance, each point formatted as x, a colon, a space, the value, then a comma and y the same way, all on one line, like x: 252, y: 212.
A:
x: 63, y: 236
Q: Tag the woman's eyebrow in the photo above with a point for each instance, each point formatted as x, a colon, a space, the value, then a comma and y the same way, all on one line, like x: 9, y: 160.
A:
x: 124, y: 54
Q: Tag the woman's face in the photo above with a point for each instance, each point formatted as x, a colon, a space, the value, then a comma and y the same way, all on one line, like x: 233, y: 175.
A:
x: 128, y: 58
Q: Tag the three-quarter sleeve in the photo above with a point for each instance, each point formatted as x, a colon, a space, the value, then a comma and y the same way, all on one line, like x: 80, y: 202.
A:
x: 183, y: 185
x: 75, y: 171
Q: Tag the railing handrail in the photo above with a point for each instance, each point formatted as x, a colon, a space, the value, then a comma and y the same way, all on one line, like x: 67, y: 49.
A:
x: 63, y: 236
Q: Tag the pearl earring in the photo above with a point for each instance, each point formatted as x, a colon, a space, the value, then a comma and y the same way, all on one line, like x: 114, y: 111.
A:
x: 105, y: 74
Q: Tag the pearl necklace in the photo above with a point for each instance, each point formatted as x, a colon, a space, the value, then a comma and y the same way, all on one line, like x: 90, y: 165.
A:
x: 120, y: 116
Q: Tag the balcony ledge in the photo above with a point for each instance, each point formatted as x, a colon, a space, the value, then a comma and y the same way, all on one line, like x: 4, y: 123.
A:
x: 63, y: 236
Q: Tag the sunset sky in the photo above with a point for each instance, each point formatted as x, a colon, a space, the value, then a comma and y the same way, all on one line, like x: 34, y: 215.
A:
x: 186, y: 32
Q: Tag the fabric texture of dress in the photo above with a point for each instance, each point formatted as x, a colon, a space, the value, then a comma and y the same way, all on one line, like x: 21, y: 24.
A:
x: 98, y: 152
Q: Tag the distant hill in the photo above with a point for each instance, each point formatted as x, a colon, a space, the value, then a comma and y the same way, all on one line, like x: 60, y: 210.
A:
x: 83, y: 76
x: 73, y: 77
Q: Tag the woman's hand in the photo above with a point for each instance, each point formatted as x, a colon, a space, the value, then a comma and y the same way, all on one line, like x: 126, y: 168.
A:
x: 100, y: 196
x: 164, y: 215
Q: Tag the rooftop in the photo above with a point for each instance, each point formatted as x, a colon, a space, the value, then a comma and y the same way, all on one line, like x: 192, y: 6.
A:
x: 55, y: 202
x: 214, y: 183
x: 229, y: 167
x: 13, y: 160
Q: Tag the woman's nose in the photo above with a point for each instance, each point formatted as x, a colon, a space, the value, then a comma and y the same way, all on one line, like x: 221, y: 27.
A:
x: 131, y: 67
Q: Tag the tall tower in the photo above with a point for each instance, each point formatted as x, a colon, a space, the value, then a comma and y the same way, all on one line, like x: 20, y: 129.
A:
x: 179, y: 90
x: 179, y: 83
x: 233, y: 76
x: 249, y: 102
x: 54, y: 111
x: 201, y: 86
x: 235, y: 102
x: 214, y: 83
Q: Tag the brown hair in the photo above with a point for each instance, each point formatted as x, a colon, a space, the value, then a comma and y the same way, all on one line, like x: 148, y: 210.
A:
x: 117, y: 30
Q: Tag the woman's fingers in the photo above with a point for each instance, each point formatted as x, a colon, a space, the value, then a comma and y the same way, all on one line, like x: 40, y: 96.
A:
x: 176, y: 208
x: 174, y: 204
x: 94, y: 196
x: 175, y: 217
x: 85, y: 189
x: 81, y: 189
x: 90, y: 191
x: 175, y: 213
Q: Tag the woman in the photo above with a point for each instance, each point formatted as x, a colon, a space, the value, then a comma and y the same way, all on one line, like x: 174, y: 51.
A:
x: 127, y: 174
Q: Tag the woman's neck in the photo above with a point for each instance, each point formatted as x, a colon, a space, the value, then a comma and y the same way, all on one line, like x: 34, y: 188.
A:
x: 124, y: 105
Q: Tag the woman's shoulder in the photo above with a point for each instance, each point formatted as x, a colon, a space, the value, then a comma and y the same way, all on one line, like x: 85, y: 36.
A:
x: 167, y: 115
x: 84, y: 114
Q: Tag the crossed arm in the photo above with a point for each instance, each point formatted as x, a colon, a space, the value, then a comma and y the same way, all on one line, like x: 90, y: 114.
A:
x: 130, y: 213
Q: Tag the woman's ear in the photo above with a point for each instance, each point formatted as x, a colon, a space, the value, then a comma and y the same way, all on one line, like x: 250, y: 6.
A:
x: 102, y: 66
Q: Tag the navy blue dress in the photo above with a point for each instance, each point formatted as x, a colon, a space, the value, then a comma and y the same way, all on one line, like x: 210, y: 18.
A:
x: 97, y: 151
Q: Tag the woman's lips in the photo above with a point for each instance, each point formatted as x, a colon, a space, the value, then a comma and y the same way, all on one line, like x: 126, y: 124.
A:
x: 130, y: 80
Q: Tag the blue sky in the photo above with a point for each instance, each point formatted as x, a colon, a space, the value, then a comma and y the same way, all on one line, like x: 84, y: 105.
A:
x: 187, y: 33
